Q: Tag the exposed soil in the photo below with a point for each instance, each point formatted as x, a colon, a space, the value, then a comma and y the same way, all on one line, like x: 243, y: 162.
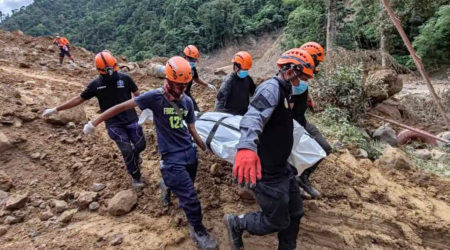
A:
x: 364, y: 206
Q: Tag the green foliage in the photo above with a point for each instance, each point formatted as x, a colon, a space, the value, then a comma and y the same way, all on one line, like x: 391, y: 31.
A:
x: 433, y: 43
x: 141, y: 29
x: 347, y: 89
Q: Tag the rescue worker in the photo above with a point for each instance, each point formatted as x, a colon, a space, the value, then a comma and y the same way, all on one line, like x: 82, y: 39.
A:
x: 262, y: 158
x: 301, y: 102
x: 191, y: 54
x: 64, y: 48
x: 237, y: 87
x: 112, y: 88
x: 179, y: 161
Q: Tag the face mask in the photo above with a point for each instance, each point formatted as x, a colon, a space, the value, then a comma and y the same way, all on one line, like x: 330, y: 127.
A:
x: 192, y: 64
x: 242, y: 73
x: 300, y: 89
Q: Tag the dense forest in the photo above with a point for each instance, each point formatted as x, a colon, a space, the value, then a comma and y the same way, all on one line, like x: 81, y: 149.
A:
x: 143, y: 29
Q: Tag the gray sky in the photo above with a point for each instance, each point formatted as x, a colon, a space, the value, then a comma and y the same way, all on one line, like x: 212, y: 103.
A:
x: 8, y: 5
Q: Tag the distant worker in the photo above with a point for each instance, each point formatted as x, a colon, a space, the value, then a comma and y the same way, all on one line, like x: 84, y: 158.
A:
x: 262, y: 156
x: 112, y: 88
x: 64, y: 48
x: 191, y: 54
x: 237, y: 87
x: 179, y: 160
x: 301, y: 101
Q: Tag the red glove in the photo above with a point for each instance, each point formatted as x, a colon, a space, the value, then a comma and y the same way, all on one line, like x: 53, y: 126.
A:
x: 311, y: 105
x: 247, y: 168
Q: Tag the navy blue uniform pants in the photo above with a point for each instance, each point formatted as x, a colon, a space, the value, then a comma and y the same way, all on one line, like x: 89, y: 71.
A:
x: 196, y: 108
x: 178, y: 171
x: 281, y: 211
x: 131, y: 142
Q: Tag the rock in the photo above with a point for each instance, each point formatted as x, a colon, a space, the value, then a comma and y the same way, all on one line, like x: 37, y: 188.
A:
x: 394, y: 158
x: 75, y: 115
x: 51, y: 49
x: 46, y: 215
x: 155, y: 70
x: 122, y: 202
x: 214, y: 169
x: 67, y: 216
x: 423, y: 154
x: 440, y: 156
x: 20, y: 214
x: 35, y: 156
x: 117, y: 240
x: 389, y: 110
x: 76, y: 166
x: 94, y: 206
x: 349, y: 160
x: 35, y: 234
x: 4, y: 213
x: 363, y: 153
x: 97, y: 187
x: 17, y: 201
x: 66, y: 196
x: 3, y: 231
x: 36, y: 203
x: 386, y: 134
x: 27, y: 116
x: 23, y: 65
x: 4, y: 143
x: 394, y: 84
x: 5, y: 181
x: 10, y: 220
x: 71, y: 125
x: 68, y: 140
x: 59, y: 206
x: 3, y: 197
x: 86, y: 198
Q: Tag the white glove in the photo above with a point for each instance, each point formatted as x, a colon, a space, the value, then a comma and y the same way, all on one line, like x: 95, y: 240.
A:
x: 49, y: 112
x: 212, y: 87
x: 146, y: 115
x: 89, y: 129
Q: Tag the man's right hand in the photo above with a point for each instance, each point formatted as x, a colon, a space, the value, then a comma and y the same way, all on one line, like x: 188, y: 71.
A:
x: 247, y: 168
x: 48, y: 112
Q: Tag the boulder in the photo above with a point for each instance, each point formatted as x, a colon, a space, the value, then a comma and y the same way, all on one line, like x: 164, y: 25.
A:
x: 17, y: 201
x: 75, y: 115
x: 11, y: 220
x: 394, y: 84
x: 86, y: 198
x: 5, y: 181
x: 3, y: 197
x: 122, y: 202
x: 94, y: 206
x: 3, y: 231
x: 394, y: 158
x: 27, y: 116
x: 386, y: 134
x: 4, y: 143
x: 59, y: 206
x: 224, y: 70
x: 46, y: 215
x: 423, y: 154
x: 117, y: 239
x: 389, y: 110
x: 97, y: 187
x: 67, y: 216
x: 444, y: 135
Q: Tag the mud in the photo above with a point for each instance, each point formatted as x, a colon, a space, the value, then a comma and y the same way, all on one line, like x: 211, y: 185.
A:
x: 364, y: 206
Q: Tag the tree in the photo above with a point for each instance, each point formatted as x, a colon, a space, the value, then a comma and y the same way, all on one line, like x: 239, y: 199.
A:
x: 331, y: 24
x: 384, y: 47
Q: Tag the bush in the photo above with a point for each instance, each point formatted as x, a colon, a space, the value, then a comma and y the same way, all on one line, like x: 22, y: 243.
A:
x: 347, y: 89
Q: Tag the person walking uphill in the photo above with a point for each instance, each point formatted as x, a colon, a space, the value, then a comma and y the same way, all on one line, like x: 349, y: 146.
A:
x: 262, y: 158
x: 178, y: 152
x: 237, y: 87
x: 64, y: 48
x: 301, y: 101
x: 191, y: 54
x: 112, y: 88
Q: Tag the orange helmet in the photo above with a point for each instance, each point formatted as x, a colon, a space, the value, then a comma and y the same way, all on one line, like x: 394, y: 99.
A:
x: 243, y: 59
x: 315, y: 50
x: 299, y: 60
x: 106, y: 63
x: 191, y: 51
x: 178, y: 70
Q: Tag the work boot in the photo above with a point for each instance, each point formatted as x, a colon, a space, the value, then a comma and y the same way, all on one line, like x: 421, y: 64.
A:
x: 305, y: 184
x: 165, y: 194
x: 136, y: 181
x: 234, y: 232
x: 201, y: 237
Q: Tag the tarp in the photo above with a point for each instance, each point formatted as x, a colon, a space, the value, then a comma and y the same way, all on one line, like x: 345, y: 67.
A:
x: 220, y: 132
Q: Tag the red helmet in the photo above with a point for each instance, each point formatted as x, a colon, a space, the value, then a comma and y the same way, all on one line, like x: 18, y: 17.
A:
x: 297, y: 59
